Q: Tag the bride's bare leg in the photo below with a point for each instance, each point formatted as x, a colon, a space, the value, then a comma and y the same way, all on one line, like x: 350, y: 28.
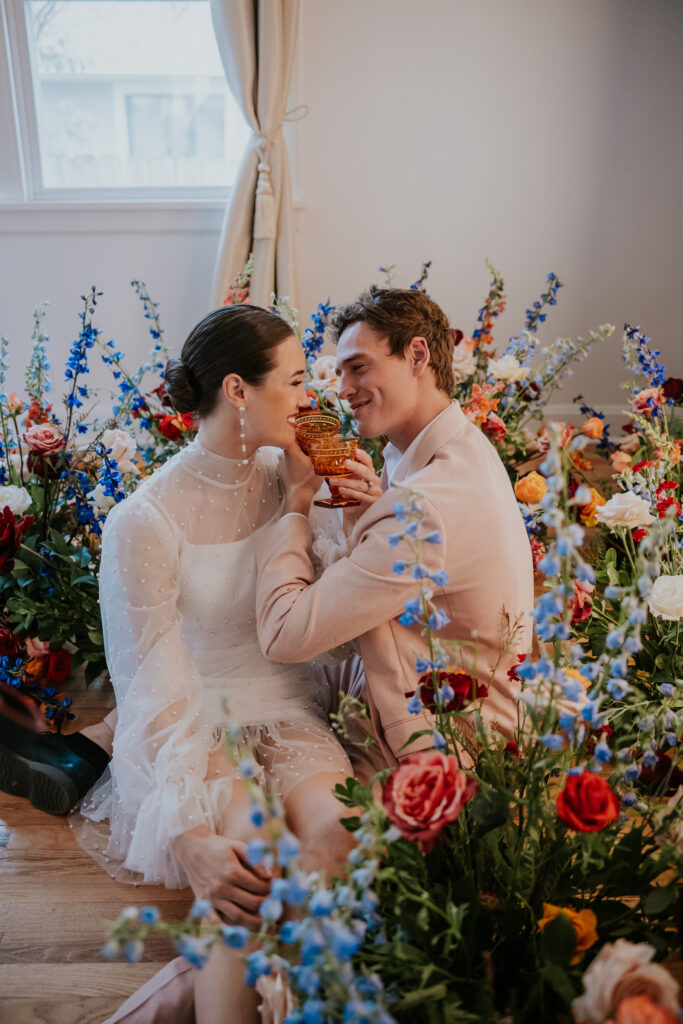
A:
x: 220, y: 991
x: 312, y: 813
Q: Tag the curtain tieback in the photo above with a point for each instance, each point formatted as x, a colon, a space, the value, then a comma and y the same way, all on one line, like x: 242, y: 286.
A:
x: 264, y: 208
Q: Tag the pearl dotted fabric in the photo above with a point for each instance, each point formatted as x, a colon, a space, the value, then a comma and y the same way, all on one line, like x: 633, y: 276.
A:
x: 177, y: 594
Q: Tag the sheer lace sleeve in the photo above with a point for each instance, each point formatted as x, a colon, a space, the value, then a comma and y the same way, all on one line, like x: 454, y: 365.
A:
x: 162, y: 742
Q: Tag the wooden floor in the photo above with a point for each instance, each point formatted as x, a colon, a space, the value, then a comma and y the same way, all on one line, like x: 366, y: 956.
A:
x: 54, y: 906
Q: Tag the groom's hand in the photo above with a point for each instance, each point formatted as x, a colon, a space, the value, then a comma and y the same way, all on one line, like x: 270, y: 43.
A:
x: 218, y: 871
x: 363, y: 484
x: 301, y: 483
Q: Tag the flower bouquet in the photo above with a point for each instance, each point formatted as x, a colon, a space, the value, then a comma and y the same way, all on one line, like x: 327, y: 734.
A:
x: 531, y: 877
x: 60, y: 474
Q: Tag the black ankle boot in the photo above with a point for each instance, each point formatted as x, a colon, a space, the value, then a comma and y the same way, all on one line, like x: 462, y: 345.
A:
x: 50, y: 770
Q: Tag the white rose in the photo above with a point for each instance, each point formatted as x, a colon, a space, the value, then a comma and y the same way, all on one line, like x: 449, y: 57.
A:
x: 101, y: 502
x: 464, y: 362
x: 323, y: 374
x: 625, y: 509
x: 17, y: 498
x: 123, y: 448
x: 666, y: 598
x: 612, y: 974
x: 507, y: 368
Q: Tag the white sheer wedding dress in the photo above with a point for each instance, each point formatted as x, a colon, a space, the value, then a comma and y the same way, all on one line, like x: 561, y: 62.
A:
x: 177, y: 592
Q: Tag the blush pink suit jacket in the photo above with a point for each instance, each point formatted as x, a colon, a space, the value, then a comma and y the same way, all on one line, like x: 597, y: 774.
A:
x: 467, y: 497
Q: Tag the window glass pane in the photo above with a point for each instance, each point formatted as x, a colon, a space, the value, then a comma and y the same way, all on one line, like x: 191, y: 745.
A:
x: 132, y: 94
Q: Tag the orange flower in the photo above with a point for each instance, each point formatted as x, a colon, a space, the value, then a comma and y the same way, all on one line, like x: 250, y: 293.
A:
x: 35, y: 669
x: 482, y: 402
x: 582, y: 921
x: 14, y: 403
x: 641, y: 1010
x: 594, y: 427
x: 587, y: 513
x: 531, y: 488
x: 620, y: 461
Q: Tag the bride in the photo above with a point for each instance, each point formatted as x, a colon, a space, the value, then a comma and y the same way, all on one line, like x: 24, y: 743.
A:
x: 177, y: 592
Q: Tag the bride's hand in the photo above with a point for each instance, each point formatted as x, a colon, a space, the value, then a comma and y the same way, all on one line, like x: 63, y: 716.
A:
x: 299, y: 480
x: 363, y: 484
x: 218, y: 871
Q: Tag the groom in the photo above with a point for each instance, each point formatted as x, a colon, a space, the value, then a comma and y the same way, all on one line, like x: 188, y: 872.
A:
x: 394, y: 358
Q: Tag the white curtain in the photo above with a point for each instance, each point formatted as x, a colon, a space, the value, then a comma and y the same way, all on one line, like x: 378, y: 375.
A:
x: 256, y: 39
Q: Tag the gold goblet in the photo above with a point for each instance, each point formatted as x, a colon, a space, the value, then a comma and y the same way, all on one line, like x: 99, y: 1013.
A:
x: 328, y: 455
x: 311, y: 426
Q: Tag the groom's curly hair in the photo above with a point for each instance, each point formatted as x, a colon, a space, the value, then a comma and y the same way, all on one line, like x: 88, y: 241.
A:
x: 400, y: 315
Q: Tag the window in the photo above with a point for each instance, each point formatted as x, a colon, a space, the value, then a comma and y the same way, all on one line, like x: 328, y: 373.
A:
x: 124, y: 98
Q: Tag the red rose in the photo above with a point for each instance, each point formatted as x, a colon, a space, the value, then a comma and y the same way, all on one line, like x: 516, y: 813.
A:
x: 673, y: 388
x: 59, y: 667
x: 459, y: 681
x: 587, y: 804
x: 44, y: 439
x: 10, y: 644
x: 173, y: 427
x: 425, y: 793
x: 11, y: 532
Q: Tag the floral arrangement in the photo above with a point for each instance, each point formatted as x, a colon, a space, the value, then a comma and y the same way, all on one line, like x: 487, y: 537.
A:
x: 524, y: 878
x: 60, y: 474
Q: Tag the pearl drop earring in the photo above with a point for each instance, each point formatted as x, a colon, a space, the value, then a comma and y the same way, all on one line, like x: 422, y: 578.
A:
x: 243, y: 437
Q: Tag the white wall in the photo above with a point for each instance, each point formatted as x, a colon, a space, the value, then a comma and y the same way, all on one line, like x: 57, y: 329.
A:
x: 544, y: 134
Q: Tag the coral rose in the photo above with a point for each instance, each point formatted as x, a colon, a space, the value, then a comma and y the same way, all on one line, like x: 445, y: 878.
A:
x: 426, y: 792
x: 11, y: 532
x: 594, y: 428
x: 620, y: 461
x: 36, y: 648
x: 646, y: 401
x: 59, y: 667
x: 641, y: 1010
x: 620, y: 971
x: 531, y: 488
x: 44, y: 439
x: 666, y: 598
x: 581, y: 602
x: 587, y: 804
x: 582, y: 921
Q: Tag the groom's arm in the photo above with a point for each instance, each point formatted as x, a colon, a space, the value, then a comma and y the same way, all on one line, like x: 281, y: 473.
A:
x: 298, y: 618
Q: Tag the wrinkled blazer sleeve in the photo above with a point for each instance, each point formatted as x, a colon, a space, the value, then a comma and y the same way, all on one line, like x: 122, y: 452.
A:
x: 298, y: 618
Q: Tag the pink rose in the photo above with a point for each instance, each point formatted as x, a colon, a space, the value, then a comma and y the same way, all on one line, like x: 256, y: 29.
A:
x: 36, y: 648
x: 622, y: 970
x: 647, y: 400
x: 44, y: 439
x: 426, y: 792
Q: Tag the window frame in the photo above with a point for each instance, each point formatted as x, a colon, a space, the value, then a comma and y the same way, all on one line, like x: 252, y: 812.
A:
x: 22, y: 75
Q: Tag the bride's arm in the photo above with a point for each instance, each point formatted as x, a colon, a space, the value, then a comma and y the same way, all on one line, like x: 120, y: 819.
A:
x: 162, y: 741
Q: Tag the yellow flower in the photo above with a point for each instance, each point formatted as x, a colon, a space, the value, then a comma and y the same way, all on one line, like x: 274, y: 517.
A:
x: 531, y: 488
x: 587, y: 513
x: 575, y: 674
x: 582, y: 921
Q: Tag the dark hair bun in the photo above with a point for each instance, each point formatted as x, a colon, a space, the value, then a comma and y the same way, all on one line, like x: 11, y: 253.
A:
x: 181, y: 390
